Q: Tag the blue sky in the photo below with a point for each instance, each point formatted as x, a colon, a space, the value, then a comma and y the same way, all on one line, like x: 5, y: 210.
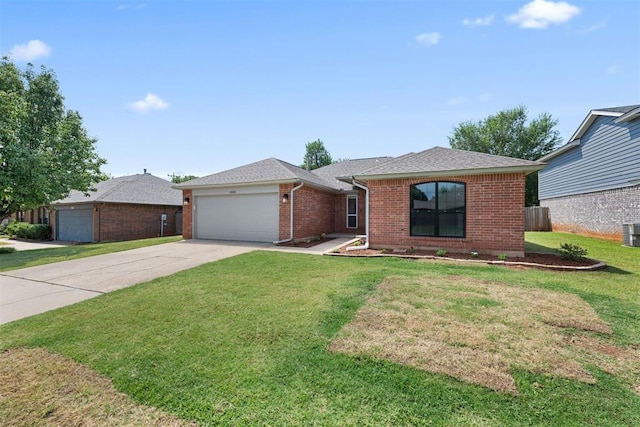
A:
x: 196, y: 87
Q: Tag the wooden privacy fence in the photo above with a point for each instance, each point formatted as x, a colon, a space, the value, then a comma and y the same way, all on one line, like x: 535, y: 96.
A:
x: 537, y: 219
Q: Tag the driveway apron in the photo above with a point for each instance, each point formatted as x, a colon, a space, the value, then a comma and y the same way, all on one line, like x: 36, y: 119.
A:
x: 34, y: 290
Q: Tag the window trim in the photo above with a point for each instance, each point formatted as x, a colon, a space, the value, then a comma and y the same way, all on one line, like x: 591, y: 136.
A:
x: 355, y: 214
x: 437, y: 214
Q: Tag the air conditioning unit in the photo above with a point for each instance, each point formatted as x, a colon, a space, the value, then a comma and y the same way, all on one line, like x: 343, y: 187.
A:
x: 631, y: 234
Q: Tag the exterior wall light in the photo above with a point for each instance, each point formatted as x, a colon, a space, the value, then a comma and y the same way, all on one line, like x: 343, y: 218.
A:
x: 285, y: 198
x: 186, y: 201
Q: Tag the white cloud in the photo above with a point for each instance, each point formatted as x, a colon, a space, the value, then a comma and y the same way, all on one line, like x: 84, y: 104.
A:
x: 428, y: 39
x: 33, y: 49
x: 613, y: 69
x: 479, y: 22
x: 538, y: 14
x: 150, y: 102
x: 595, y: 27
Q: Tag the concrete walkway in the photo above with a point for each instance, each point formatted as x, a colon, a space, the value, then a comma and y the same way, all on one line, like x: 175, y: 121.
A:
x: 26, y: 245
x: 29, y: 291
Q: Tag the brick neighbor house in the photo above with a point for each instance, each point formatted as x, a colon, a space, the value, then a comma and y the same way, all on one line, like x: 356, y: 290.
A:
x: 438, y: 198
x: 123, y: 208
x: 591, y: 185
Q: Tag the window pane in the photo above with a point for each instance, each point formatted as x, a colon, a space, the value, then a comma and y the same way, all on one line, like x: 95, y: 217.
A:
x: 438, y: 209
x: 351, y: 205
x: 451, y: 224
x: 423, y: 204
x: 450, y: 196
x: 351, y: 222
x: 423, y: 222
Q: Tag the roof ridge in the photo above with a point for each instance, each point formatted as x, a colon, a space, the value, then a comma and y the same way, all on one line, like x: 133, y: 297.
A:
x: 285, y: 165
x: 390, y: 160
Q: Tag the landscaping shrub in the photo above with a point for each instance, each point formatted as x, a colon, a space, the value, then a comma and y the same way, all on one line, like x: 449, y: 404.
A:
x: 7, y: 250
x: 25, y: 230
x: 571, y: 251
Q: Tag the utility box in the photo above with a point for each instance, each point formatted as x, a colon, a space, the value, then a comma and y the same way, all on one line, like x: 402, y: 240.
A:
x: 631, y: 234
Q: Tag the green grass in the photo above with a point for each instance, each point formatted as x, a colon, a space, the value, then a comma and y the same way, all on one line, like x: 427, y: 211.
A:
x: 243, y: 341
x: 31, y: 258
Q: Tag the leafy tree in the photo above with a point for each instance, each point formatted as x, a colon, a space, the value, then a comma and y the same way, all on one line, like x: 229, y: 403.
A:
x: 177, y: 179
x: 508, y: 134
x: 316, y: 155
x: 44, y: 150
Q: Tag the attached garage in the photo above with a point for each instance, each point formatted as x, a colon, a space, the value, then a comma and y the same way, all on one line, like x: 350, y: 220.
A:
x: 242, y: 213
x: 75, y: 223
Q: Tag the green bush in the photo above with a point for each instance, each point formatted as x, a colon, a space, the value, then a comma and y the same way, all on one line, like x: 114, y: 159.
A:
x: 571, y: 251
x: 25, y: 230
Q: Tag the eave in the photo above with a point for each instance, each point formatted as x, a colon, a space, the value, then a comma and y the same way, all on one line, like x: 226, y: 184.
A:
x: 253, y: 183
x: 454, y: 172
x: 588, y: 121
x: 627, y: 117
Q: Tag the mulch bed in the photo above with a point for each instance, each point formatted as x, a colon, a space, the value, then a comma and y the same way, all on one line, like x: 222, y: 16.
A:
x: 530, y: 259
x: 309, y: 243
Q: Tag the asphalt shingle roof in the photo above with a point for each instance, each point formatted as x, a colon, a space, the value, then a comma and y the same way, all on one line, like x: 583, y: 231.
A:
x: 144, y: 189
x: 268, y: 170
x: 624, y: 109
x: 439, y: 159
x: 347, y: 168
x: 436, y: 159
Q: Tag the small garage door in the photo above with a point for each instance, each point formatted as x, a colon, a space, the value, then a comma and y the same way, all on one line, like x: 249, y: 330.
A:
x: 75, y: 225
x: 244, y: 217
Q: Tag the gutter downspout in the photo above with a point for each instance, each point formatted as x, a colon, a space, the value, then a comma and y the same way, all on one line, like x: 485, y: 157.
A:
x: 366, y: 218
x: 277, y: 242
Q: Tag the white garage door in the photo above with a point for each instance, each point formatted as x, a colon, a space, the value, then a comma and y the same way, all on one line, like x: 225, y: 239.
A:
x: 75, y: 225
x: 244, y: 217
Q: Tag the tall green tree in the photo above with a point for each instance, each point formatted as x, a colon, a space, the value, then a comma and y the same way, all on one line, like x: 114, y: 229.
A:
x: 316, y: 155
x: 44, y: 149
x: 177, y: 179
x: 508, y: 133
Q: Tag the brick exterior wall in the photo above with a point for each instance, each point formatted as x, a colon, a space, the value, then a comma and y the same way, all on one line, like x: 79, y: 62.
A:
x: 313, y: 212
x: 341, y: 214
x: 119, y: 221
x: 600, y: 214
x: 284, y: 211
x: 495, y: 215
x: 187, y: 214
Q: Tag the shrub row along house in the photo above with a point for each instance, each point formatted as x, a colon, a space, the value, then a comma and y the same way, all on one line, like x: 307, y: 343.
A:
x: 591, y: 185
x: 437, y: 198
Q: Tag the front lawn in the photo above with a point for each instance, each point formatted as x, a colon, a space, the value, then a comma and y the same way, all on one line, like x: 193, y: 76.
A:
x: 31, y: 258
x: 253, y: 340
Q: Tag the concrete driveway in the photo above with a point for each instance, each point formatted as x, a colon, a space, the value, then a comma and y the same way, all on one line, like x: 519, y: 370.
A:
x: 34, y: 290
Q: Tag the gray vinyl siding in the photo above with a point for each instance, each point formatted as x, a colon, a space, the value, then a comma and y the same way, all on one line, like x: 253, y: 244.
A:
x: 607, y: 158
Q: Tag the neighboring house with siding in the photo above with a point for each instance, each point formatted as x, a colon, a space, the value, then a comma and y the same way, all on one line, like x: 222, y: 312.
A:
x: 591, y: 185
x: 439, y: 198
x: 123, y: 208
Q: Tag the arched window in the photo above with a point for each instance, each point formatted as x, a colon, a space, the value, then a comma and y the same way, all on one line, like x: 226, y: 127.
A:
x: 438, y: 209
